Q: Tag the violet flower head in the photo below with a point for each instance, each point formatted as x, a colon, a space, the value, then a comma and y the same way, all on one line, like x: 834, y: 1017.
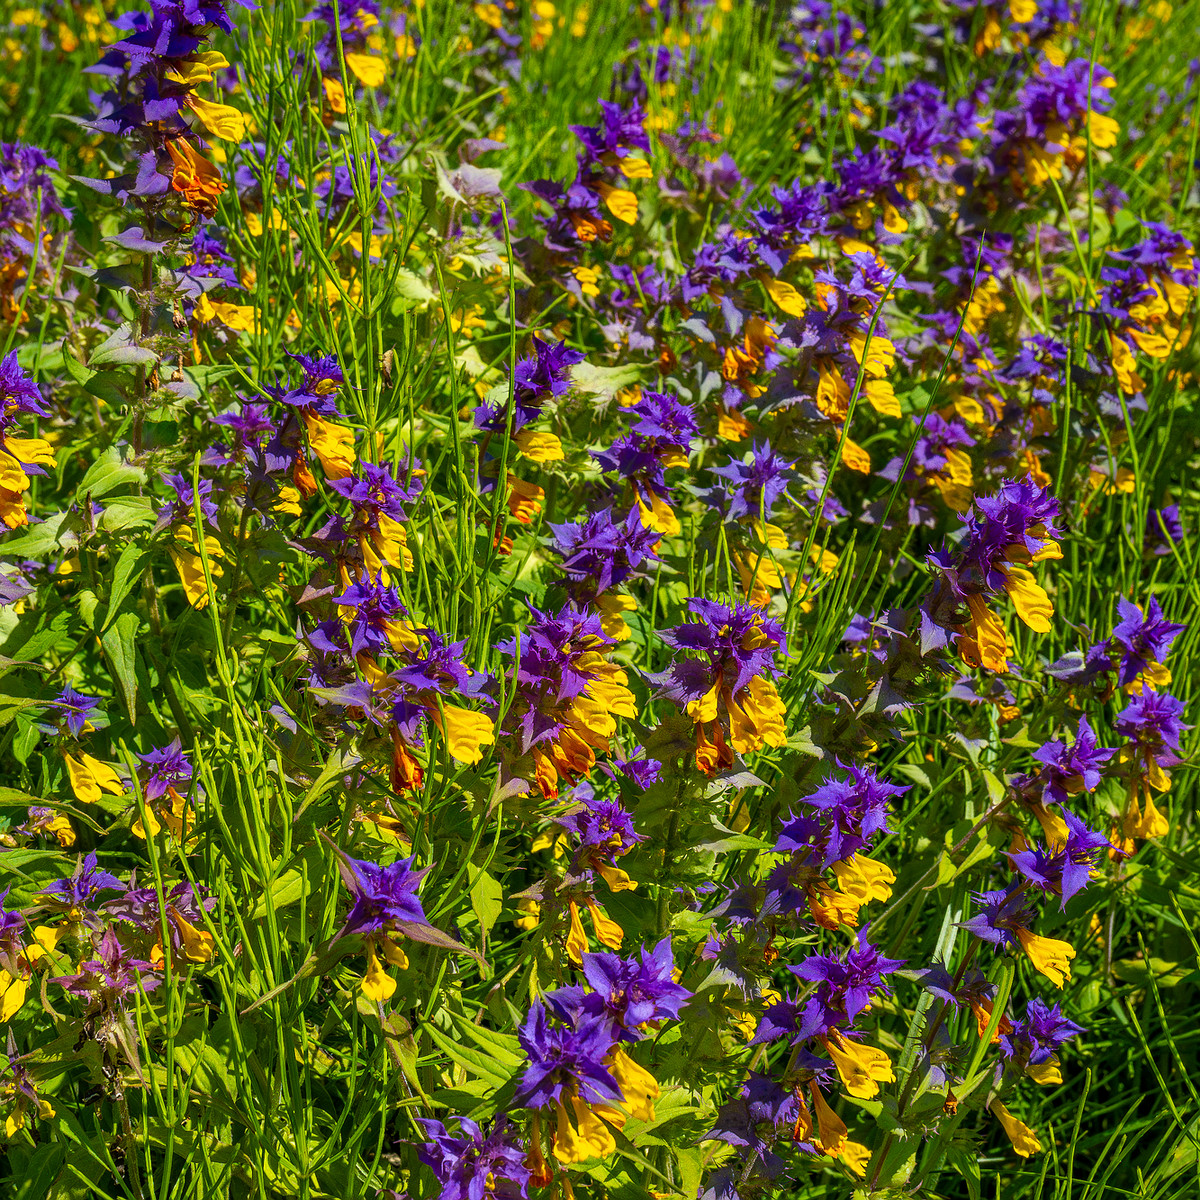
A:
x: 1146, y: 638
x: 640, y: 770
x: 168, y: 770
x: 12, y: 934
x: 385, y: 898
x: 181, y: 505
x: 734, y: 643
x: 315, y: 395
x: 545, y: 375
x: 1153, y: 722
x: 78, y: 709
x: 377, y: 606
x: 1062, y: 870
x: 19, y: 395
x: 1164, y: 529
x: 109, y: 979
x: 754, y: 486
x: 1017, y: 526
x: 75, y: 893
x: 475, y: 1165
x: 565, y: 1060
x: 1039, y: 1036
x: 602, y: 551
x: 845, y: 986
x: 373, y: 488
x: 1072, y: 769
x: 628, y: 993
x: 856, y: 809
x: 1001, y: 913
x: 601, y: 823
x: 664, y: 418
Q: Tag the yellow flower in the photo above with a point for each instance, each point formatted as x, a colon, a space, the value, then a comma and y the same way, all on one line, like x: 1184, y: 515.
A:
x: 1049, y: 955
x: 1024, y: 1140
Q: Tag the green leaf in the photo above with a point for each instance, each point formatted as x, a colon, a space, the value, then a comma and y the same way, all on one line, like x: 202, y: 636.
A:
x: 126, y: 576
x: 487, y: 899
x: 109, y: 472
x: 503, y: 1047
x: 605, y: 381
x: 477, y: 1063
x: 119, y: 641
x: 967, y: 1165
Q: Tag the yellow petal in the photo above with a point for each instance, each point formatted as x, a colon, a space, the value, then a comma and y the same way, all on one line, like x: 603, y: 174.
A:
x: 466, y: 732
x: 786, y: 297
x: 577, y: 943
x: 370, y: 69
x: 635, y: 168
x: 638, y: 1087
x: 1024, y: 1140
x: 856, y: 458
x: 608, y: 931
x: 539, y: 447
x: 221, y: 120
x: 333, y: 444
x: 376, y: 984
x: 1049, y: 956
x: 621, y: 203
x: 13, y: 998
x: 1029, y: 597
x: 882, y: 397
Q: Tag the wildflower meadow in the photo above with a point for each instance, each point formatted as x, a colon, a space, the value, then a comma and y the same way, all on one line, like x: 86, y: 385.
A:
x: 597, y: 599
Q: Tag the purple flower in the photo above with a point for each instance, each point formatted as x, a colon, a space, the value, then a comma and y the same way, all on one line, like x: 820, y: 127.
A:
x: 376, y: 607
x: 180, y: 508
x: 627, y: 993
x: 315, y: 395
x: 373, y: 488
x: 642, y: 771
x: 753, y: 486
x: 19, y: 395
x: 78, y: 709
x: 844, y: 986
x: 603, y: 823
x: 602, y: 553
x: 732, y: 643
x: 110, y: 978
x: 75, y: 893
x: 1017, y: 526
x: 1002, y: 913
x: 664, y: 418
x: 565, y: 1059
x: 12, y: 933
x: 1152, y: 721
x: 1163, y: 529
x: 1147, y: 639
x: 1072, y: 769
x: 1063, y: 870
x: 385, y: 898
x: 1039, y: 1036
x: 544, y: 376
x: 852, y: 811
x: 473, y: 1165
x: 169, y: 770
x: 623, y: 130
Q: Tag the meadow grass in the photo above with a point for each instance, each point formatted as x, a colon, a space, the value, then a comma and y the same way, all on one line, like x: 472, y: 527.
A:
x: 262, y: 1068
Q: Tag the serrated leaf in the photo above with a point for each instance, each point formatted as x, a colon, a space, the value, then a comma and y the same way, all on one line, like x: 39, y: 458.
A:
x: 503, y: 1046
x: 604, y: 381
x: 107, y: 473
x: 476, y: 1062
